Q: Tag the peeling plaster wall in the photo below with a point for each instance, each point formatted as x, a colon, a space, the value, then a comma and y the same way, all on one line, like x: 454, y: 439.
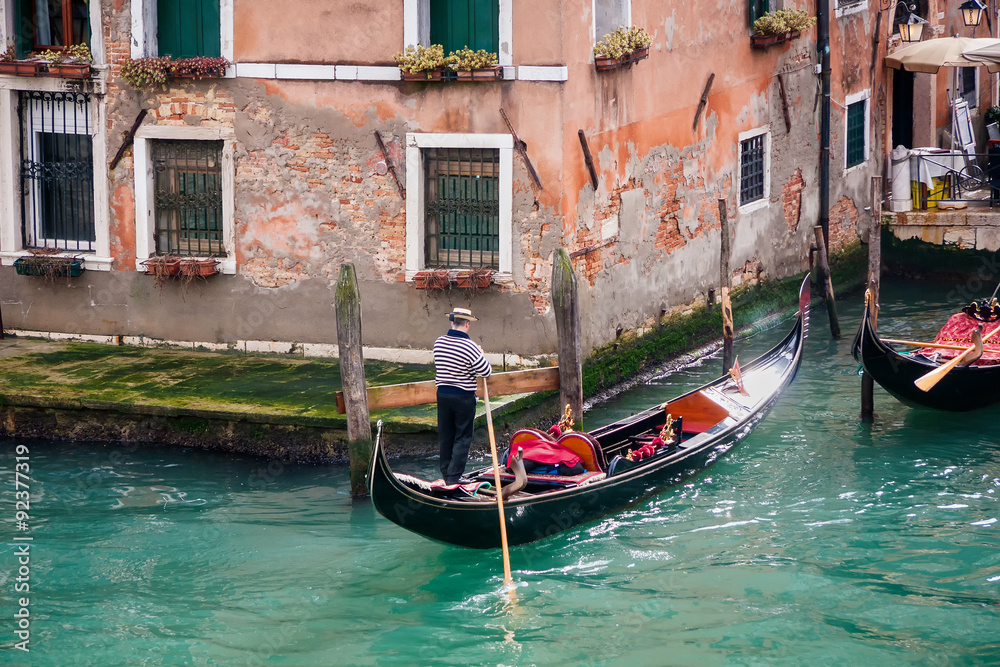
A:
x: 660, y: 180
x: 309, y: 197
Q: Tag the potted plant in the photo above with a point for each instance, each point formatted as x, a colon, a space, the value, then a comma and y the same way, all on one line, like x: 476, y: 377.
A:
x: 780, y: 26
x: 9, y: 64
x: 198, y: 268
x: 46, y: 263
x: 474, y: 278
x: 162, y: 266
x: 432, y: 279
x: 623, y: 47
x: 424, y: 63
x: 73, y: 62
x: 145, y: 73
x: 472, y: 65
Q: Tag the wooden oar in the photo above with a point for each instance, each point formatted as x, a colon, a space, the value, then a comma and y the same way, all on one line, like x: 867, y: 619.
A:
x: 507, y: 580
x: 927, y: 382
x: 938, y: 346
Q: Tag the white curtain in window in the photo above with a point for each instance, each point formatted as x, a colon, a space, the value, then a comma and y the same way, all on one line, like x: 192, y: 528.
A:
x: 43, y: 34
x: 610, y: 15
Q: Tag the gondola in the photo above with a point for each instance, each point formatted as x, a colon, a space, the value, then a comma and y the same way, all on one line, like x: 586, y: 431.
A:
x: 962, y: 389
x: 706, y: 423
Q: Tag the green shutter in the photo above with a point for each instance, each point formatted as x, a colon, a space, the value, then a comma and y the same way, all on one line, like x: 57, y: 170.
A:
x: 25, y: 36
x: 188, y: 28
x: 459, y: 23
x: 757, y: 9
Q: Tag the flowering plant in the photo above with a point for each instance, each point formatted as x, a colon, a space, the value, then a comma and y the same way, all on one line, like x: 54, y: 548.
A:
x: 622, y: 42
x: 149, y: 72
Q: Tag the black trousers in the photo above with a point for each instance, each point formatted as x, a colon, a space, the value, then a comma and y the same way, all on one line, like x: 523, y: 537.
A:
x: 456, y: 414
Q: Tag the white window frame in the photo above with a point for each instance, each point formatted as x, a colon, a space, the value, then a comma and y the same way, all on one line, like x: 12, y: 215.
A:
x: 594, y: 37
x: 850, y: 9
x: 971, y: 97
x: 144, y: 41
x: 415, y: 225
x: 145, y: 189
x: 417, y: 26
x: 765, y: 200
x: 854, y: 98
x: 11, y: 201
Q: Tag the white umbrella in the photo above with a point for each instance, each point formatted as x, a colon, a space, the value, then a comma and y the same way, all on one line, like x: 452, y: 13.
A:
x: 988, y: 54
x: 932, y: 55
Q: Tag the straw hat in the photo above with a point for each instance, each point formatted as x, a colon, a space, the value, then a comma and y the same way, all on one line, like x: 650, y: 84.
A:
x: 462, y: 314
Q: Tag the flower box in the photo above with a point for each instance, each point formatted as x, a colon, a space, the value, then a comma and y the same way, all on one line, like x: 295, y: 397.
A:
x: 432, y: 279
x: 199, y: 268
x: 764, y: 41
x: 494, y: 73
x: 23, y: 68
x: 605, y: 63
x: 50, y: 267
x: 162, y: 266
x: 441, y: 74
x: 70, y: 70
x: 474, y: 279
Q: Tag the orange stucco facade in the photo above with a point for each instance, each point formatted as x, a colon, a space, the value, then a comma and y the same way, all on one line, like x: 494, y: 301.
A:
x: 312, y: 189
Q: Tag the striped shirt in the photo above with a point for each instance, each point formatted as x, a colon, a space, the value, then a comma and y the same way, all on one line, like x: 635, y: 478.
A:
x: 459, y: 361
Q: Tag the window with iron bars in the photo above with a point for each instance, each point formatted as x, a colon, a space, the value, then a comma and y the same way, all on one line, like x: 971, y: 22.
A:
x: 461, y: 215
x: 752, y: 169
x: 856, y: 149
x: 57, y: 171
x: 188, y: 197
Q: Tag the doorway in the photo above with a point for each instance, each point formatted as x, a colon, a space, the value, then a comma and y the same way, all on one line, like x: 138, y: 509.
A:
x: 902, y: 108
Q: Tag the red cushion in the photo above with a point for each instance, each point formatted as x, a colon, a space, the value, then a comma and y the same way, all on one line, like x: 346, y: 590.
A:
x: 544, y: 451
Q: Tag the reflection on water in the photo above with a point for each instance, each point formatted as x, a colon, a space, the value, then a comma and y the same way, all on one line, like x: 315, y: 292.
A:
x: 817, y: 540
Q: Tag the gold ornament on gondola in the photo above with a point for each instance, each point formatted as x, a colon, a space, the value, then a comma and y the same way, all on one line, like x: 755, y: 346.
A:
x: 667, y: 432
x: 566, y: 423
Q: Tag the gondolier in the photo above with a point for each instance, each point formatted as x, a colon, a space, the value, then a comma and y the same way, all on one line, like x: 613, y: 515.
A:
x: 458, y: 362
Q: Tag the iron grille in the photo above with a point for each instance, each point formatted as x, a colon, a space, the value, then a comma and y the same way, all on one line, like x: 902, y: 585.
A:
x: 188, y: 197
x: 856, y: 133
x: 57, y: 170
x: 462, y: 207
x: 752, y: 169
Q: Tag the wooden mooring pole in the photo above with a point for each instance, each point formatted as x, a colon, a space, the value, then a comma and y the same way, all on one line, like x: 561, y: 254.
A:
x: 352, y: 377
x: 566, y: 305
x: 826, y: 282
x: 874, y: 277
x: 726, y: 281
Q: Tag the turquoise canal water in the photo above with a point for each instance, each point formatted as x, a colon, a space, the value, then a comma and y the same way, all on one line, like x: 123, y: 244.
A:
x: 817, y: 541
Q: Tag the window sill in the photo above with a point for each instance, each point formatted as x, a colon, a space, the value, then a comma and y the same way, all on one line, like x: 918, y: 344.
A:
x: 858, y: 167
x: 90, y: 262
x: 755, y: 205
x: 379, y: 73
x: 496, y: 278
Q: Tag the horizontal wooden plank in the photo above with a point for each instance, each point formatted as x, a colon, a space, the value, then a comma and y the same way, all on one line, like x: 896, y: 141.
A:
x: 420, y: 393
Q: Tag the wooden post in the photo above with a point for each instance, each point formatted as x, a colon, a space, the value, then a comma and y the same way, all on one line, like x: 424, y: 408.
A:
x: 352, y: 377
x: 874, y: 277
x: 726, y: 281
x: 566, y: 305
x: 823, y: 278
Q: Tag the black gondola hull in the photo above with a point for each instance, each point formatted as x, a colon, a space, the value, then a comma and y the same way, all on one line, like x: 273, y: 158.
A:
x: 961, y: 390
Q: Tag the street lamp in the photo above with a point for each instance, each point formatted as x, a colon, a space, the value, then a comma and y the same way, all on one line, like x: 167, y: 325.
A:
x: 972, y: 12
x: 912, y: 29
